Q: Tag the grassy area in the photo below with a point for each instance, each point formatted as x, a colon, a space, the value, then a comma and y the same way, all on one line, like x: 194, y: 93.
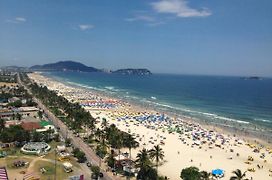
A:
x: 8, y: 161
x: 51, y: 155
x: 50, y: 170
x: 47, y: 162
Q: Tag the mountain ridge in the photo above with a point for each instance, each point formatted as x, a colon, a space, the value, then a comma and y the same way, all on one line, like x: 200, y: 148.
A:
x: 65, y: 66
x: 70, y: 65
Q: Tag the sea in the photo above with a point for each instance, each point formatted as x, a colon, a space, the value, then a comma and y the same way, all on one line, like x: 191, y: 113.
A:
x: 234, y: 102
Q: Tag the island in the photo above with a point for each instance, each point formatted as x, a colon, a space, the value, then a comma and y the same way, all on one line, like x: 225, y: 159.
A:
x: 252, y: 78
x: 142, y: 72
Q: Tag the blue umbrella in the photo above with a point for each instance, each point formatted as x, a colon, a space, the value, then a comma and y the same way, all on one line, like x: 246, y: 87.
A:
x: 218, y: 172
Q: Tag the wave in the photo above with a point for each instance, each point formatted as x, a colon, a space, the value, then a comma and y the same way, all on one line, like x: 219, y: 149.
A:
x: 109, y: 88
x: 193, y: 112
x: 153, y: 97
x: 263, y: 120
x: 84, y: 86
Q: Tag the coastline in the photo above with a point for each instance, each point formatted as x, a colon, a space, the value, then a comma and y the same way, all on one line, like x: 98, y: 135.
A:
x: 251, y: 132
x: 200, y: 156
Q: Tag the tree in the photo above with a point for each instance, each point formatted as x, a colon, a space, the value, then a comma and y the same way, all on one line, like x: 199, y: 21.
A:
x: 129, y: 142
x: 190, y: 173
x: 36, y: 136
x: 40, y: 114
x: 205, y: 175
x: 101, y: 150
x: 104, y: 123
x: 110, y: 159
x: 157, y: 154
x: 17, y: 103
x: 75, y: 151
x: 13, y: 116
x: 147, y: 173
x: 67, y: 142
x: 238, y: 175
x: 18, y: 116
x: 14, y: 133
x: 98, y: 133
x: 81, y: 157
x: 119, y: 143
x: 2, y: 124
x: 142, y: 159
x: 95, y: 170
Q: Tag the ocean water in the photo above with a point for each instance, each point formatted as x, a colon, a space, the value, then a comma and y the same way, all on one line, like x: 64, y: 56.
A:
x: 217, y: 99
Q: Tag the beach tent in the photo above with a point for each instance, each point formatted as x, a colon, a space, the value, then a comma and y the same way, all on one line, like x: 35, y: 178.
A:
x: 218, y: 172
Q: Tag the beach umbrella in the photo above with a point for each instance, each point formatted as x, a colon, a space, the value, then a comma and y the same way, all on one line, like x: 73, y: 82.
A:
x: 218, y: 172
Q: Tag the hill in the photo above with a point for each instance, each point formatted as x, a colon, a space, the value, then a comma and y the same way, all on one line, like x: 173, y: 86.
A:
x: 65, y: 66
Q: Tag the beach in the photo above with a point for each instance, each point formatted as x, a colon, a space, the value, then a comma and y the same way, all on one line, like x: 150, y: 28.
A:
x: 185, y: 143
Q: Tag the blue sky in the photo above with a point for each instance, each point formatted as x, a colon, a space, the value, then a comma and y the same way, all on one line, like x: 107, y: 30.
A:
x: 221, y: 37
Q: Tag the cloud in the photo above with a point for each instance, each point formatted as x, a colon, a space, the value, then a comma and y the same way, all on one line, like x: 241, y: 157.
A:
x: 158, y: 23
x: 84, y: 27
x: 147, y: 19
x: 180, y: 8
x: 20, y: 19
x: 141, y: 18
x: 17, y: 20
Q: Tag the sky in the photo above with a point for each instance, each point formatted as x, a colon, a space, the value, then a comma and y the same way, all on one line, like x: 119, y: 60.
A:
x: 211, y: 37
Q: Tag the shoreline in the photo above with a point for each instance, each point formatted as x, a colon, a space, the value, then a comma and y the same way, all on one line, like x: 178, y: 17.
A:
x: 172, y: 139
x: 227, y: 127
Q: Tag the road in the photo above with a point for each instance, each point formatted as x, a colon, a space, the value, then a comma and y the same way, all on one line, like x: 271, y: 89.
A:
x: 76, y: 141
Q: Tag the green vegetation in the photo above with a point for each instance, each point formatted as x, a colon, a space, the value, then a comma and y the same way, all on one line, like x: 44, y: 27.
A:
x: 50, y: 170
x: 2, y: 125
x: 95, y: 170
x: 238, y: 175
x: 144, y: 163
x: 110, y: 159
x: 193, y: 173
x: 190, y: 173
x: 157, y: 154
x: 118, y: 139
x: 75, y: 115
x: 79, y: 155
x: 14, y: 133
x: 17, y: 103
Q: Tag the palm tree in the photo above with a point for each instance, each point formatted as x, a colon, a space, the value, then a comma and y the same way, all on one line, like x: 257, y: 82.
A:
x: 157, y: 154
x: 110, y: 159
x: 119, y: 143
x: 238, y: 175
x: 104, y: 123
x: 98, y: 133
x: 129, y: 142
x: 142, y: 159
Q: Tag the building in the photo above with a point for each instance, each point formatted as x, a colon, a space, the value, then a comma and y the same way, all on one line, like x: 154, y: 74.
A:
x: 30, y: 126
